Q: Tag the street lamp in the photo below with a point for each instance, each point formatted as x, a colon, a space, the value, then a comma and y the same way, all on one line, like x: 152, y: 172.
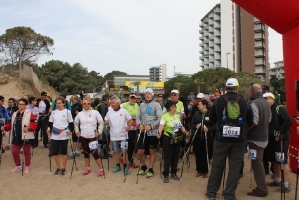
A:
x: 227, y: 60
x: 278, y: 98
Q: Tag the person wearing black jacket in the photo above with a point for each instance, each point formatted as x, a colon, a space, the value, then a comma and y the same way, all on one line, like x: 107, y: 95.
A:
x: 43, y: 106
x: 201, y: 122
x: 224, y: 147
x: 280, y: 123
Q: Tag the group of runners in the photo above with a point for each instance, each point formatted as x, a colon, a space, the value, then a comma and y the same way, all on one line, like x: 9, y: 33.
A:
x: 217, y: 129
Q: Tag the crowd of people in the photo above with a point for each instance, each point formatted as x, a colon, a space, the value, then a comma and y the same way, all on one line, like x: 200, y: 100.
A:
x: 219, y: 129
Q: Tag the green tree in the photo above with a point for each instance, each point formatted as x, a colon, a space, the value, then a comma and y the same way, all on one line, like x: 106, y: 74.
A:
x: 110, y: 75
x: 21, y: 44
x: 183, y: 83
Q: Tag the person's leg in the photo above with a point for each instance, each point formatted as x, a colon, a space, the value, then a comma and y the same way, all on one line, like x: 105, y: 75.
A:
x: 63, y: 153
x: 196, y: 149
x: 175, y: 158
x: 27, y: 154
x: 44, y: 129
x: 258, y: 169
x: 203, y: 157
x: 142, y: 143
x: 220, y: 153
x: 15, y: 150
x: 167, y: 149
x: 38, y: 128
x: 236, y: 155
x: 131, y: 145
x: 152, y: 144
x: 266, y: 160
x: 116, y: 148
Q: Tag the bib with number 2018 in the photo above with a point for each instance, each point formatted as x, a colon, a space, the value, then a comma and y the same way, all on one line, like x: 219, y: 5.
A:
x: 252, y: 154
x: 176, y: 125
x: 231, y: 131
x: 93, y: 145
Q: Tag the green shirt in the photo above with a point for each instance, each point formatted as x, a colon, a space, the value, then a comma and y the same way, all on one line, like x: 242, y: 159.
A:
x: 179, y: 108
x: 171, y: 123
x: 132, y: 109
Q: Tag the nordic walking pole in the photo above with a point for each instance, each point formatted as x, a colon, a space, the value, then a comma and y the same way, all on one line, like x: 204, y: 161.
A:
x: 132, y: 155
x: 250, y: 177
x: 207, y: 152
x: 223, y: 180
x: 100, y: 159
x: 23, y: 159
x: 50, y: 152
x: 296, y: 188
x: 140, y: 157
x: 161, y: 157
x: 282, y: 188
x: 74, y: 159
x: 74, y: 154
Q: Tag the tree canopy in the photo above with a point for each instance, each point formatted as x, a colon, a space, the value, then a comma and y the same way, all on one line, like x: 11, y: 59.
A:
x: 21, y: 44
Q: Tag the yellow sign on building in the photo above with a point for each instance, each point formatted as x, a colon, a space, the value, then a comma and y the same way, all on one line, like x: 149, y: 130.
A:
x: 143, y: 85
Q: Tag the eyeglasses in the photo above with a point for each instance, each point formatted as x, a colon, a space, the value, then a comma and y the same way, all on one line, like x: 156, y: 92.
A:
x: 86, y: 104
x: 138, y: 98
x: 21, y: 104
x: 10, y: 102
x: 173, y: 94
x: 133, y: 98
x: 44, y: 95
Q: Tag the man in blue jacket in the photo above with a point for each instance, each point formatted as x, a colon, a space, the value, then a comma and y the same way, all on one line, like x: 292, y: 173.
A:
x: 3, y: 119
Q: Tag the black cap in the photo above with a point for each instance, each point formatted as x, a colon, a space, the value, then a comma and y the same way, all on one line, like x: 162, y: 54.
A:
x: 43, y: 93
x: 168, y: 104
x: 265, y: 87
x: 1, y: 97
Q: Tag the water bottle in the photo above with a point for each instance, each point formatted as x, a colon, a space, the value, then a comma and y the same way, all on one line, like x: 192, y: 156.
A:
x: 240, y: 121
x: 223, y: 119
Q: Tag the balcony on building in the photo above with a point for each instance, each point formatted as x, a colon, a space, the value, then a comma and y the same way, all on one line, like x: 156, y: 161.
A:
x: 259, y: 61
x: 217, y: 10
x: 216, y: 33
x: 201, y: 24
x: 217, y: 25
x: 217, y: 64
x: 206, y: 54
x: 259, y: 70
x: 211, y: 37
x: 259, y: 53
x: 201, y: 44
x: 216, y: 18
x: 211, y: 15
x: 259, y: 27
x: 217, y: 48
x: 256, y: 20
x: 211, y: 52
x: 217, y: 56
x: 201, y: 31
x: 201, y: 51
x: 201, y: 37
x: 206, y: 41
x: 206, y: 33
x: 211, y: 44
x: 205, y: 27
x: 206, y: 62
x: 211, y: 22
x: 211, y: 30
x: 206, y: 20
x: 259, y: 44
x: 217, y: 40
x: 201, y: 57
x: 259, y: 36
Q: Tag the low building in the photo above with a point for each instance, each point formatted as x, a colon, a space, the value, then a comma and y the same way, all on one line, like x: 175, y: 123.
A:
x: 277, y: 71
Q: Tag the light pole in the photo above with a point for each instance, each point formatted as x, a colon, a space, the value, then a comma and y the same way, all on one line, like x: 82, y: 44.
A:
x: 278, y: 98
x: 227, y: 60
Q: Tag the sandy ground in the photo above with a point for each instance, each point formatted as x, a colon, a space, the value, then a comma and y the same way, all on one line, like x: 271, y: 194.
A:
x: 41, y: 184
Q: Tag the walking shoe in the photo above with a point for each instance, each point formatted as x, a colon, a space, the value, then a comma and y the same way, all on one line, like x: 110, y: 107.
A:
x: 86, y: 171
x: 150, y: 174
x: 116, y: 169
x: 77, y: 153
x: 27, y: 169
x: 72, y: 154
x: 273, y: 176
x: 133, y: 165
x: 62, y: 173
x: 166, y: 179
x: 100, y: 173
x: 16, y: 169
x: 210, y: 198
x: 175, y: 177
x: 7, y: 147
x: 205, y: 175
x: 254, y: 193
x: 141, y: 172
x: 284, y: 189
x: 198, y: 174
x: 273, y: 184
x: 126, y: 171
x: 57, y: 172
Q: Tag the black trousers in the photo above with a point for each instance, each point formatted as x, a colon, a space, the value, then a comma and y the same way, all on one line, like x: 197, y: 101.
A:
x: 171, y: 156
x: 199, y: 147
x: 42, y: 125
x: 131, y: 143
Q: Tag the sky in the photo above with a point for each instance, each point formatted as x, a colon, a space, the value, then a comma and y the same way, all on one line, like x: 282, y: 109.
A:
x: 124, y: 35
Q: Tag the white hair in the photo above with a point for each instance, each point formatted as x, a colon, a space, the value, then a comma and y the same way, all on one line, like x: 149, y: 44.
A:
x: 116, y: 98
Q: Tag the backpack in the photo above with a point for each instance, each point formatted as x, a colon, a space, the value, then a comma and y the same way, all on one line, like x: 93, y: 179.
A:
x: 96, y: 108
x: 232, y: 110
x: 278, y: 107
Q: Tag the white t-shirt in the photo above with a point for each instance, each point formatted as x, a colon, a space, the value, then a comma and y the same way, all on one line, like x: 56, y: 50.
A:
x: 88, y: 121
x: 118, y: 122
x: 61, y: 120
x: 41, y: 106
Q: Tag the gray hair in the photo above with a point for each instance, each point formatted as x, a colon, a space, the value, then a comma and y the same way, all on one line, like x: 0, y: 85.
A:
x: 116, y: 98
x: 256, y: 88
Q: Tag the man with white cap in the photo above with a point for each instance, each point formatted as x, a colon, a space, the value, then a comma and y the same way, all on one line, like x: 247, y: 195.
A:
x: 278, y: 131
x: 174, y: 96
x: 199, y: 97
x: 148, y: 120
x: 228, y: 145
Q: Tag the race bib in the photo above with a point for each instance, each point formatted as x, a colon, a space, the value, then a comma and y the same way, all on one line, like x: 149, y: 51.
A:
x: 176, y: 125
x: 152, y: 133
x: 252, y: 154
x: 93, y: 145
x: 124, y: 145
x: 279, y: 157
x: 231, y: 131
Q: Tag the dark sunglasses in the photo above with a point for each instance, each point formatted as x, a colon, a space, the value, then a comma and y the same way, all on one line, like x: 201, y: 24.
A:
x: 86, y: 104
x: 173, y: 94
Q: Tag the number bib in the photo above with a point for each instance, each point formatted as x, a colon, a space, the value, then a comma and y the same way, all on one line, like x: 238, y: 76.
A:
x: 152, y: 133
x: 279, y: 157
x: 93, y: 145
x: 124, y: 145
x: 176, y: 125
x: 231, y: 131
x: 252, y: 154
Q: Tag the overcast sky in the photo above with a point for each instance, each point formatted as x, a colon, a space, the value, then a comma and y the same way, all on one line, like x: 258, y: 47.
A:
x: 124, y: 35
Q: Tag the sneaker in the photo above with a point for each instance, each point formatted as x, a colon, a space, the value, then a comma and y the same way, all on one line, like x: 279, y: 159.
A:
x: 62, y: 173
x: 72, y: 154
x: 175, y: 177
x: 7, y: 147
x: 27, y: 169
x: 205, y: 175
x: 141, y: 172
x: 210, y: 198
x: 166, y: 179
x: 57, y: 172
x: 150, y: 174
x: 284, y: 189
x: 273, y: 184
x: 116, y: 169
x: 198, y: 174
x: 100, y: 173
x: 133, y: 165
x: 77, y: 153
x: 126, y: 171
x: 254, y: 193
x: 16, y: 169
x: 86, y: 171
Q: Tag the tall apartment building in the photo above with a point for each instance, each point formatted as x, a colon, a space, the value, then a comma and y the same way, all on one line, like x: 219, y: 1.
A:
x: 232, y: 38
x: 277, y: 71
x: 158, y: 73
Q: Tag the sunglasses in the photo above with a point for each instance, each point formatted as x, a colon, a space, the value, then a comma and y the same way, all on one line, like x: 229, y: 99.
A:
x: 21, y: 104
x: 173, y: 94
x: 138, y: 98
x: 86, y: 104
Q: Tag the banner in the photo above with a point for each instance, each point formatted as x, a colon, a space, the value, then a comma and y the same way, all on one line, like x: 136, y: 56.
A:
x: 143, y: 85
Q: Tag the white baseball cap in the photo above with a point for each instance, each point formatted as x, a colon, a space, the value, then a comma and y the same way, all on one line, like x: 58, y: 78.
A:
x: 175, y: 91
x: 150, y: 90
x: 268, y: 94
x: 232, y: 82
x: 200, y: 95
